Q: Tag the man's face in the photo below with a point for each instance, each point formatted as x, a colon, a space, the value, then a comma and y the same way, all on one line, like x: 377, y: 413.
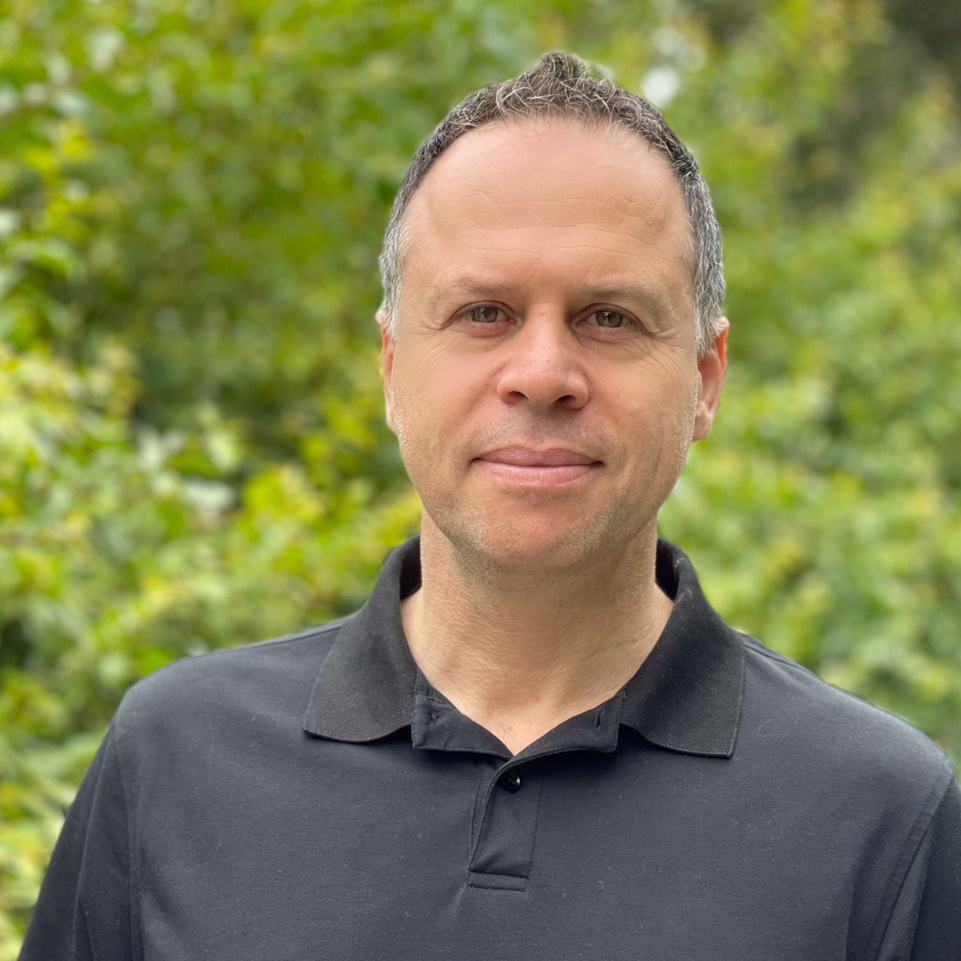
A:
x: 544, y: 383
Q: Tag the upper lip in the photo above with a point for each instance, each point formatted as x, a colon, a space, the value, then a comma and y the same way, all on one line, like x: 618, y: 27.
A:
x: 537, y: 457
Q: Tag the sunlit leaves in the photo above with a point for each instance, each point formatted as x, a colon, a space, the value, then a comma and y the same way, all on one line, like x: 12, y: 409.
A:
x: 192, y: 446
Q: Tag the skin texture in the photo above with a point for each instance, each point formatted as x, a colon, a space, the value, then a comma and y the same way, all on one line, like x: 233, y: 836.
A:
x: 545, y: 387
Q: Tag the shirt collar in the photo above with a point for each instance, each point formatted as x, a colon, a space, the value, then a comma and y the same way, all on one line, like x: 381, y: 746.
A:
x: 685, y: 697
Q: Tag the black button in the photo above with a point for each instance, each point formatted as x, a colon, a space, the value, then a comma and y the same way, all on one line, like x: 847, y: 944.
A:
x: 510, y: 781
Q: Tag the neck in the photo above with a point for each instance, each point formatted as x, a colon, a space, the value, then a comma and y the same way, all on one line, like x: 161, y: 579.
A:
x: 520, y: 651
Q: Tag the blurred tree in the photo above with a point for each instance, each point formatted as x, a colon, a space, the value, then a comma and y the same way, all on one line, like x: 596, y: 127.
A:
x: 192, y: 449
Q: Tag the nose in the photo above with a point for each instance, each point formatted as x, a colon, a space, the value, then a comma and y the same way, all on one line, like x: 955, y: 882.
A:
x: 544, y: 366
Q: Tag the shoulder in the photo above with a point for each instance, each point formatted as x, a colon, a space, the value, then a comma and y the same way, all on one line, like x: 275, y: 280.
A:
x: 215, y: 690
x: 836, y: 738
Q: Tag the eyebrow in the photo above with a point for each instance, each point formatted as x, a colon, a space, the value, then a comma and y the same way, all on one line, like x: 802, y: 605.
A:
x: 650, y: 299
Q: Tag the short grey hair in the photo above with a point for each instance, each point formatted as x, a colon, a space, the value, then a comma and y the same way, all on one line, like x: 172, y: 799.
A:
x: 562, y: 86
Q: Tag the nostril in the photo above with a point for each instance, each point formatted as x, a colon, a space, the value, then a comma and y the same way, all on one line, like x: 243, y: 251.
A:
x: 548, y: 389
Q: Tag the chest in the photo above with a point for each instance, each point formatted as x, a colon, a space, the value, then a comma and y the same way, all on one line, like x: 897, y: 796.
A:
x: 373, y: 856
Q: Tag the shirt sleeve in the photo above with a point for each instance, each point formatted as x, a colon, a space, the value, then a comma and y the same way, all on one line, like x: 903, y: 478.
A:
x: 925, y: 924
x: 83, y: 912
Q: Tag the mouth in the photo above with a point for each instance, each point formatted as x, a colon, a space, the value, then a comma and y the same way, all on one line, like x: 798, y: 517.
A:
x: 552, y: 467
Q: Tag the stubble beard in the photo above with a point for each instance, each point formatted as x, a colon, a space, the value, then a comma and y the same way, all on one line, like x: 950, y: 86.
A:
x: 491, y: 545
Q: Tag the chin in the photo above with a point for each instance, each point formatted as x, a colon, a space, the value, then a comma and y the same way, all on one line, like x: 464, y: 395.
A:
x: 533, y: 548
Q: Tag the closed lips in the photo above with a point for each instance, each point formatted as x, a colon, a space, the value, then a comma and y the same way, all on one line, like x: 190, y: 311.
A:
x: 529, y: 457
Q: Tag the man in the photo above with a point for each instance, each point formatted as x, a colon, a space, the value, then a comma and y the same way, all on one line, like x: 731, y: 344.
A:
x: 536, y: 740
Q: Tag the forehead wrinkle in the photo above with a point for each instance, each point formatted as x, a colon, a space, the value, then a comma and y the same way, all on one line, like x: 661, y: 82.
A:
x: 560, y: 213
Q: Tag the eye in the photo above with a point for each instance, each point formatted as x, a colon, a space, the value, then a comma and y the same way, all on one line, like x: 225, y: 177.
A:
x: 483, y: 314
x: 482, y: 320
x: 611, y: 319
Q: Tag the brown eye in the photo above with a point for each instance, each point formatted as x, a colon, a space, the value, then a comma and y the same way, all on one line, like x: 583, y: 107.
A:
x: 610, y: 318
x: 484, y: 314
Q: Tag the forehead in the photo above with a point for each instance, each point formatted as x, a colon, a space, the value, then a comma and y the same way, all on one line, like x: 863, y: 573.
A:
x: 531, y: 189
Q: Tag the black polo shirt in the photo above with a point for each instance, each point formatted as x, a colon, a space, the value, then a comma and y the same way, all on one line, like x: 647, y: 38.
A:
x: 315, y: 798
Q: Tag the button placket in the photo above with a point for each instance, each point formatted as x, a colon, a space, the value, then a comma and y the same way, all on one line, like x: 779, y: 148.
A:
x: 504, y: 848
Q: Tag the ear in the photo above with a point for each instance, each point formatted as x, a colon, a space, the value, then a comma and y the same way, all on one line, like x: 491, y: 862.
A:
x: 387, y: 367
x: 711, y: 368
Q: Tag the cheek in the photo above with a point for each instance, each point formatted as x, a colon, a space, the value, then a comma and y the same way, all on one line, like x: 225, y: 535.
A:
x: 436, y: 386
x: 428, y: 405
x: 662, y: 416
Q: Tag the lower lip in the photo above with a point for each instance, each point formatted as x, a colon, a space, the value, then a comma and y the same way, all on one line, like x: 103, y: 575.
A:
x: 557, y: 475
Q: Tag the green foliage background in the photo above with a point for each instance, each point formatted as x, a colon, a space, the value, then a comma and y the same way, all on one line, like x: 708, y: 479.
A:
x: 192, y: 452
